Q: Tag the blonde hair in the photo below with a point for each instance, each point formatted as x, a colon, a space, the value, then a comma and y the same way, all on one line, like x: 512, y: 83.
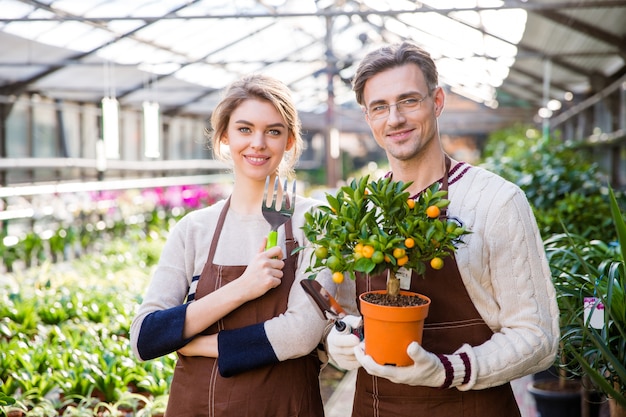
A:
x: 258, y: 87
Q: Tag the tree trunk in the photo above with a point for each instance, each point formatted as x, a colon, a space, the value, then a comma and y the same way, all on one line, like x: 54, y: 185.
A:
x: 393, y: 284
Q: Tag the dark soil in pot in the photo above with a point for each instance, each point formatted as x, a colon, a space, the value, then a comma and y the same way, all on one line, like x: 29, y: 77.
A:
x: 399, y: 300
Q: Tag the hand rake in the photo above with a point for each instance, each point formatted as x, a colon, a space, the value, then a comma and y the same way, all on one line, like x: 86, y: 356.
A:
x: 274, y: 216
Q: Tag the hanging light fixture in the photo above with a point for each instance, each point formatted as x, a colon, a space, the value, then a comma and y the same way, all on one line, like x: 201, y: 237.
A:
x: 110, y: 127
x: 151, y: 129
x: 110, y: 115
x: 151, y: 119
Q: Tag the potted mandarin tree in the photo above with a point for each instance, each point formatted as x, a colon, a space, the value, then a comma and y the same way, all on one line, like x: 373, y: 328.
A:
x: 373, y: 227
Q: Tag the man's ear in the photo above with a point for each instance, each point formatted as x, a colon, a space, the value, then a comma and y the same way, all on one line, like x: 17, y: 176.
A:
x: 439, y: 98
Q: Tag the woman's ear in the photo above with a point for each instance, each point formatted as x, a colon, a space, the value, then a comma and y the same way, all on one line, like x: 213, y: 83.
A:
x: 290, y: 142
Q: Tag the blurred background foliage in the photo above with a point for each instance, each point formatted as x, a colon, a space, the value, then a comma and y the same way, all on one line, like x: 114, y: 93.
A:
x: 563, y: 184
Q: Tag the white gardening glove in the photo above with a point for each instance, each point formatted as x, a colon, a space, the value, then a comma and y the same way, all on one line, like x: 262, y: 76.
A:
x: 341, y: 344
x: 428, y: 369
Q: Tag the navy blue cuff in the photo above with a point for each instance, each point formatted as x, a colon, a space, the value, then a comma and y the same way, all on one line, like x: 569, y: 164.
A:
x: 162, y: 332
x: 243, y: 349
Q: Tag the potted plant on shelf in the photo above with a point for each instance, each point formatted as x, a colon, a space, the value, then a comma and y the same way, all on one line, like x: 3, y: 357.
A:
x: 373, y: 227
x: 590, y: 279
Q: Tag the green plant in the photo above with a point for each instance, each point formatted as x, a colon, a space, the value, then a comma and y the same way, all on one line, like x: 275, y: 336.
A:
x: 57, y: 243
x: 18, y: 408
x: 22, y: 311
x: 64, y: 335
x: 559, y: 179
x: 155, y: 407
x: 590, y: 279
x: 5, y: 399
x: 11, y: 250
x: 33, y: 246
x: 39, y: 407
x: 158, y: 375
x: 79, y: 407
x: 34, y: 373
x: 371, y: 227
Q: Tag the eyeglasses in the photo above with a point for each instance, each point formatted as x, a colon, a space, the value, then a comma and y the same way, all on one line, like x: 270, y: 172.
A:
x: 408, y: 105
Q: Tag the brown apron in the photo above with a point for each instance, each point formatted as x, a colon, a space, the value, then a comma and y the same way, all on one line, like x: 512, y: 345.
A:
x: 452, y: 321
x: 284, y: 389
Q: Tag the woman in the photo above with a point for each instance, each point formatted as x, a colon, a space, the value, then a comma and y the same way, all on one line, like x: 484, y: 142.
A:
x: 245, y: 333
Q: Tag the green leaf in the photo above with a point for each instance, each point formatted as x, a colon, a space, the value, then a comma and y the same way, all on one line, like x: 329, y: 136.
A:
x: 364, y: 265
x: 620, y: 226
x: 6, y: 400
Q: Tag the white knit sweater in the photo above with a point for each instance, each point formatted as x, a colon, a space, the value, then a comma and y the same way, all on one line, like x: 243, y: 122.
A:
x: 504, y: 267
x: 295, y: 333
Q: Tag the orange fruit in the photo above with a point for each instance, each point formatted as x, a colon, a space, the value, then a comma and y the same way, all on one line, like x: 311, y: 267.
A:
x: 411, y: 203
x: 436, y: 263
x: 403, y: 260
x: 409, y: 242
x: 358, y: 248
x: 398, y: 253
x: 387, y: 258
x: 367, y: 251
x: 337, y: 277
x: 433, y: 212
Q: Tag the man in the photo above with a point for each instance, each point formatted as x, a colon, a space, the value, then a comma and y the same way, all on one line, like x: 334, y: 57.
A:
x: 493, y: 316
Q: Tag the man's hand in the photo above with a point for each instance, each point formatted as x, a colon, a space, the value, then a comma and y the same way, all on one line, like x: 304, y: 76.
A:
x: 341, y: 345
x: 428, y: 369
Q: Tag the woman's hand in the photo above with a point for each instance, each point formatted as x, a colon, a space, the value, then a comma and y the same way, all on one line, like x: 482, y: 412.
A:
x: 201, y: 346
x: 263, y: 273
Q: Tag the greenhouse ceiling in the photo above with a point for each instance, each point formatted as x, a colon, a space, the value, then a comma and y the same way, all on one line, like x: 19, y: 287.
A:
x: 181, y: 53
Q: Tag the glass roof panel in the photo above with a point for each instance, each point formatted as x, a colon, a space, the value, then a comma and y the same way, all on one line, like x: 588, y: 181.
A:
x: 188, y: 37
x: 73, y: 7
x: 126, y: 51
x: 207, y: 43
x: 90, y: 40
x: 113, y: 8
x: 160, y: 69
x: 155, y: 8
x: 14, y: 10
x: 121, y: 27
x: 506, y: 24
x: 32, y: 30
x: 64, y: 33
x: 206, y: 75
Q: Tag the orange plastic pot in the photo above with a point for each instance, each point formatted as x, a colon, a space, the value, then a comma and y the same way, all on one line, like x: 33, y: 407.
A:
x: 389, y: 330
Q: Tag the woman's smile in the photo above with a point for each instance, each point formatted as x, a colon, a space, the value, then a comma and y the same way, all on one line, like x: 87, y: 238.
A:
x: 256, y: 159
